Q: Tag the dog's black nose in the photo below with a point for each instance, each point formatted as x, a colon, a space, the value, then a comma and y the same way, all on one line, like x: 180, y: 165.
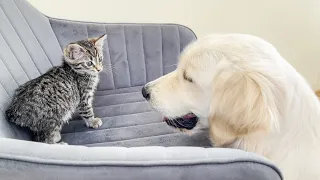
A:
x: 145, y: 93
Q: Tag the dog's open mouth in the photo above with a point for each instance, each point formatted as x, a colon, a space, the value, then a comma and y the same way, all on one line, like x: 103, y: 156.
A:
x: 187, y: 121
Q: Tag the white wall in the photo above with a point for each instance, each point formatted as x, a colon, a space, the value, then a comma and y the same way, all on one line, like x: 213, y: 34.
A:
x: 293, y: 26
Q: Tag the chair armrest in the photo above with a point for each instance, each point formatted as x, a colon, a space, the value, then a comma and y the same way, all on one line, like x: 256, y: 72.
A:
x: 19, y: 159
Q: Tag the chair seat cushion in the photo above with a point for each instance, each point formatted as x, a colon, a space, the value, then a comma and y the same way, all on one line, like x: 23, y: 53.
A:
x: 129, y: 121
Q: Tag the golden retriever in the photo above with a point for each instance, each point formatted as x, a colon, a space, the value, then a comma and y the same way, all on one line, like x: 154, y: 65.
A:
x: 249, y: 97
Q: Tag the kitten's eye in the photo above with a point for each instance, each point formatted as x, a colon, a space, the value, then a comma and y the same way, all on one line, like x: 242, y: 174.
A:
x: 100, y: 59
x: 89, y: 63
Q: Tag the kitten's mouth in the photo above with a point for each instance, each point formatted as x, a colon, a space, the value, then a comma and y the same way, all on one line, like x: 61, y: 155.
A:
x: 187, y: 121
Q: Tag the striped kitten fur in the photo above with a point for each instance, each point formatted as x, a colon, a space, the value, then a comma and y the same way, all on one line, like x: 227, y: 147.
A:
x: 45, y: 103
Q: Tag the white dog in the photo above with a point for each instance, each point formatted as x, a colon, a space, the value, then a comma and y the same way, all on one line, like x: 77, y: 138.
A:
x: 250, y: 98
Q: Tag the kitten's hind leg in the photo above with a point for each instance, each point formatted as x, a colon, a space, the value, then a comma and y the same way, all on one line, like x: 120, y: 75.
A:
x: 51, y: 136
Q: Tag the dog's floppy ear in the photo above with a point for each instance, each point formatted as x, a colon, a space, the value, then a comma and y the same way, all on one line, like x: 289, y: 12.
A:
x: 242, y: 103
x: 318, y: 93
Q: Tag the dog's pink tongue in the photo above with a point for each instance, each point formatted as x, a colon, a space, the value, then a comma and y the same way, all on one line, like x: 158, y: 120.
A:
x: 189, y: 116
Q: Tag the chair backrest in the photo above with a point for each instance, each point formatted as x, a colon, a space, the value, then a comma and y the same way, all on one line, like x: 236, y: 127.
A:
x: 138, y: 53
x: 31, y: 43
x: 28, y: 48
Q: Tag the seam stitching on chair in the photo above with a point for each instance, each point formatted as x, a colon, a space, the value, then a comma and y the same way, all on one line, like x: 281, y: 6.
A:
x: 115, y: 129
x: 126, y: 50
x: 142, y: 100
x: 179, y: 39
x: 102, y: 117
x: 136, y: 91
x: 12, y: 51
x: 123, y: 104
x: 112, y: 128
x: 43, y: 50
x: 87, y: 35
x: 112, y: 66
x: 24, y: 71
x: 125, y: 140
x: 4, y: 114
x: 50, y: 22
x: 144, y: 56
x: 166, y: 134
x: 7, y: 67
x: 117, y: 116
x: 161, y: 43
x: 5, y: 91
x: 126, y: 114
x: 112, y: 91
x: 21, y: 43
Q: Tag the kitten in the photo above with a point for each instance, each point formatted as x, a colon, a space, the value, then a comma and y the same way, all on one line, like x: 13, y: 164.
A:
x: 45, y: 103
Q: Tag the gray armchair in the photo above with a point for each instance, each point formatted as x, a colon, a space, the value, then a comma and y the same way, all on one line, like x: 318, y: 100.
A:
x: 133, y: 142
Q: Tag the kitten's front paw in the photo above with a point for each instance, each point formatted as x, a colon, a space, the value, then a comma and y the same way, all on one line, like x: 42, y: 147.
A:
x: 94, y: 123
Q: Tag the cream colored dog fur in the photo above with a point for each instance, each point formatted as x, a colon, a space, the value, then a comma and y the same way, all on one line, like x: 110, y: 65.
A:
x: 249, y: 97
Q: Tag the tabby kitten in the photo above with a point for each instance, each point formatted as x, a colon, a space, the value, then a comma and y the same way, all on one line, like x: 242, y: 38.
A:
x: 45, y: 103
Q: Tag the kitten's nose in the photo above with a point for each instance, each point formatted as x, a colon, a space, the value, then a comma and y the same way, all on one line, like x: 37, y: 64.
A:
x: 98, y: 69
x: 145, y: 93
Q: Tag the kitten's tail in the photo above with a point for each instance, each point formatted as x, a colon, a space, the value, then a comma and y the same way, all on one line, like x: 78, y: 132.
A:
x: 9, y: 114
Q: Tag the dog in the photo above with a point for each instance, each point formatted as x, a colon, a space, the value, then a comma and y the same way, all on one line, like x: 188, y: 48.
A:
x: 248, y: 96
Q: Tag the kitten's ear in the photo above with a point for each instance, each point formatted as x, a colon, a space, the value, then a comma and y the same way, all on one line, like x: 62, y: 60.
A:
x: 98, y: 42
x: 74, y: 51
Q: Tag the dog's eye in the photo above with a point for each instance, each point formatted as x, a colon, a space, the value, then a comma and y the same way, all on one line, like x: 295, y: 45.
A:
x: 185, y: 77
